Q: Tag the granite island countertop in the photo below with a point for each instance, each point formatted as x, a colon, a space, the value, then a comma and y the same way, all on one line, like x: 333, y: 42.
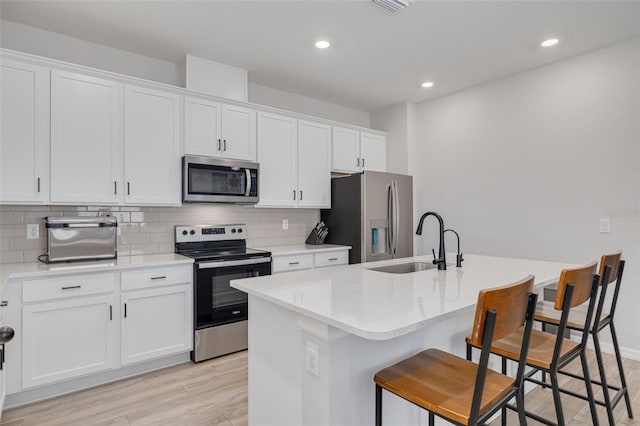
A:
x: 380, y: 306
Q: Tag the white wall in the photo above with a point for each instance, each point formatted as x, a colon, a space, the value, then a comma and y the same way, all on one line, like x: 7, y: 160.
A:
x: 395, y: 121
x: 526, y: 165
x: 305, y: 105
x: 58, y: 46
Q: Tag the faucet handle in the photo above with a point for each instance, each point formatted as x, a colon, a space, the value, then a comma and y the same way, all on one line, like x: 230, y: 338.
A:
x: 435, y: 259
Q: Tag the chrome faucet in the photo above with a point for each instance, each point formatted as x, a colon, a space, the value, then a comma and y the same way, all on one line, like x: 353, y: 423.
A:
x: 441, y: 261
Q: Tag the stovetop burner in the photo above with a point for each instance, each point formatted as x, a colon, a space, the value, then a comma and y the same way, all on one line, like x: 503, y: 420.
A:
x: 215, y: 242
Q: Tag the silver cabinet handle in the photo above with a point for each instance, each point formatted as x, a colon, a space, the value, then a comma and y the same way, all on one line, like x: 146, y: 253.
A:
x: 128, y: 188
x: 110, y: 313
x: 358, y: 161
x: 294, y: 194
x: 294, y: 263
x: 115, y: 188
x: 219, y: 142
x: 224, y: 144
x: 73, y: 287
x: 164, y: 277
x: 125, y: 310
x: 38, y: 184
x: 333, y: 258
x: 363, y: 162
x: 300, y: 195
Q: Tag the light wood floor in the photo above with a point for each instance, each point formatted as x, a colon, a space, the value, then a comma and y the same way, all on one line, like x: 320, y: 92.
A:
x: 215, y: 393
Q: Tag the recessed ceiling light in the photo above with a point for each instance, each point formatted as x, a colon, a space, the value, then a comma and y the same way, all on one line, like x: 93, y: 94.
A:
x: 549, y: 42
x: 322, y: 44
x: 427, y: 84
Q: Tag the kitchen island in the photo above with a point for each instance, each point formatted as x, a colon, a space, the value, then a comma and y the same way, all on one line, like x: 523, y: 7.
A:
x: 317, y: 337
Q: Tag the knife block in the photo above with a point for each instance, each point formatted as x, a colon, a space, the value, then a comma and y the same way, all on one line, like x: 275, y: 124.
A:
x: 314, y: 239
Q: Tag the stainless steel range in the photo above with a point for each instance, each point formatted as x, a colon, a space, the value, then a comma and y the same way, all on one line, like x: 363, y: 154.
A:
x: 220, y: 311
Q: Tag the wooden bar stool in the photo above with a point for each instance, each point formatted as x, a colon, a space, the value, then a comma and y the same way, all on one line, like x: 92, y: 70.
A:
x: 549, y: 352
x: 611, y: 269
x: 458, y: 390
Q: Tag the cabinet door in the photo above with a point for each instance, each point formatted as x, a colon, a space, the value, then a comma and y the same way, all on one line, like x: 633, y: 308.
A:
x: 86, y: 139
x: 24, y: 133
x: 346, y: 150
x: 155, y: 323
x: 152, y: 140
x: 277, y: 155
x: 67, y: 339
x: 202, y: 127
x: 238, y: 133
x: 373, y: 152
x: 314, y: 165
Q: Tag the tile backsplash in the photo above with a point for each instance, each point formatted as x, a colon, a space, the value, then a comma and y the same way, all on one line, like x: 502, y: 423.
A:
x: 149, y: 230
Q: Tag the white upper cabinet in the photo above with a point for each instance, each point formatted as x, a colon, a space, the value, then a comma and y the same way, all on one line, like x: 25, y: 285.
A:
x: 295, y: 162
x: 219, y: 130
x: 346, y: 150
x: 238, y: 133
x: 355, y: 151
x: 202, y: 134
x: 314, y: 164
x: 277, y: 155
x: 373, y: 152
x: 86, y: 139
x: 152, y: 139
x: 24, y: 133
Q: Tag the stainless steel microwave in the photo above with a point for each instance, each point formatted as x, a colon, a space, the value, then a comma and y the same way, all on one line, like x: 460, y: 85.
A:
x: 215, y: 180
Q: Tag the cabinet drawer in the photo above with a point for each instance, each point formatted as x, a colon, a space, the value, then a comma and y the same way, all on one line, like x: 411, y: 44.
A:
x: 331, y: 258
x: 292, y: 263
x: 146, y: 278
x: 70, y: 286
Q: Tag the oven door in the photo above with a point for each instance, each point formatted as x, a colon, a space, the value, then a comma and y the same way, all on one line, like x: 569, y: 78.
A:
x: 213, y: 180
x: 216, y: 302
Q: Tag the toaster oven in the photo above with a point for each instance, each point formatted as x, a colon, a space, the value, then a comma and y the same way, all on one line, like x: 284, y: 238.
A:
x: 71, y: 239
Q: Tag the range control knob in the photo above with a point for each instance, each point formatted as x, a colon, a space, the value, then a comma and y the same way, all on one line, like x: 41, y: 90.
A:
x: 192, y: 232
x: 240, y: 230
x: 184, y: 232
x: 233, y: 231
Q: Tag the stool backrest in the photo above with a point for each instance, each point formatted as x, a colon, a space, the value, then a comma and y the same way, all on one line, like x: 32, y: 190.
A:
x: 501, y: 311
x: 612, y: 261
x: 581, y: 278
x: 510, y: 304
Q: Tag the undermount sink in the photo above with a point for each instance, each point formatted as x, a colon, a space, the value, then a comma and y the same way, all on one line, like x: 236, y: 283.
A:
x: 405, y: 268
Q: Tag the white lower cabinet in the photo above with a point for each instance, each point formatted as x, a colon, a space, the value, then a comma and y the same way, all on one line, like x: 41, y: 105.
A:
x: 155, y: 322
x: 80, y: 324
x: 66, y: 339
x: 306, y: 260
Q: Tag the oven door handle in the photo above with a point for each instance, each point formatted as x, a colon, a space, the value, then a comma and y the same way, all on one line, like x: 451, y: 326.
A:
x: 254, y: 261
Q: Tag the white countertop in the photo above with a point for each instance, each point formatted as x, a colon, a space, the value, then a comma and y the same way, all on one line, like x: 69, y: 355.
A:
x: 380, y: 306
x: 303, y: 249
x: 10, y: 271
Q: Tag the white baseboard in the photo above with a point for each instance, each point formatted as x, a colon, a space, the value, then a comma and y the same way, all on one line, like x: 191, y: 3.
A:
x: 606, y: 347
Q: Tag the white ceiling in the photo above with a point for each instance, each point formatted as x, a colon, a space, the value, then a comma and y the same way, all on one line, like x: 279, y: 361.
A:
x: 376, y: 58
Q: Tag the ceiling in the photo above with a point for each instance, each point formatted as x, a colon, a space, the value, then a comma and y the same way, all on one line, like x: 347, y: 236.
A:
x: 376, y: 58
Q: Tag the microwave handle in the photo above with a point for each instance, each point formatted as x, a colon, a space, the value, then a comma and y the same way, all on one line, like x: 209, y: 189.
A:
x: 248, y: 191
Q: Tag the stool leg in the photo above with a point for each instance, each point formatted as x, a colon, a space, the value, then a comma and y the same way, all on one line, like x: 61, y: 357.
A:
x: 603, y: 379
x: 378, y: 405
x: 432, y: 419
x: 623, y: 380
x: 587, y: 383
x: 553, y: 376
x: 504, y: 409
x: 544, y: 374
x: 522, y: 417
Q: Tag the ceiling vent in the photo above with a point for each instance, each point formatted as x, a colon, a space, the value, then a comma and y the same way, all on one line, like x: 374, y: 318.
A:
x: 394, y: 5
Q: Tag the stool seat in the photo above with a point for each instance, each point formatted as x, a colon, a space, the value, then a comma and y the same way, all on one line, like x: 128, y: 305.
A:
x: 540, y: 348
x: 545, y: 312
x: 443, y: 383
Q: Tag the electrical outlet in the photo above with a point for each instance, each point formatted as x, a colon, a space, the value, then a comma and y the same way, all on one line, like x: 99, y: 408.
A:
x: 312, y: 358
x: 285, y: 224
x: 33, y: 231
x: 604, y: 226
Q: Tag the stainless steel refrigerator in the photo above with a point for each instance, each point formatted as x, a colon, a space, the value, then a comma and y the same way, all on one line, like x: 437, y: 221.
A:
x: 373, y: 213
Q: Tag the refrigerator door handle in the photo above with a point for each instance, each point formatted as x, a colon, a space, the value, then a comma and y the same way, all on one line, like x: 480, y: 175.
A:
x: 390, y: 211
x: 396, y: 216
